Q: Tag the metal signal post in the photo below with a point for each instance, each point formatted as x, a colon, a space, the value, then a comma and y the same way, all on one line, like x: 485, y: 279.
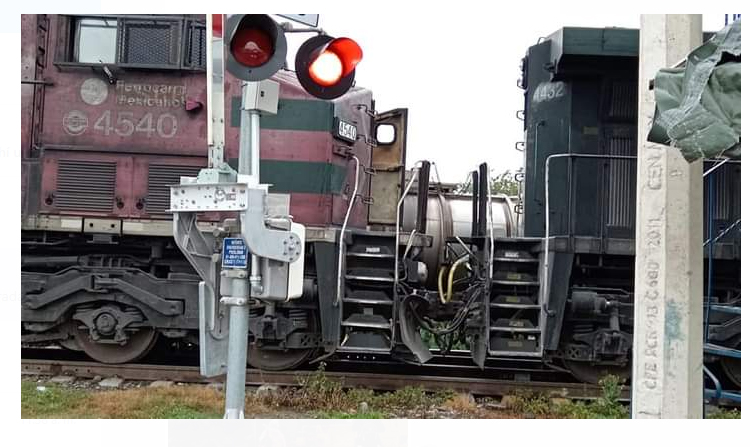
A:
x: 255, y: 49
x: 257, y: 97
x: 262, y: 230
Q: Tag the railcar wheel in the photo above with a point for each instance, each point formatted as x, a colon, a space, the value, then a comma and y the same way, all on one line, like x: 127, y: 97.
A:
x: 590, y: 373
x: 282, y: 359
x: 731, y: 367
x: 135, y: 347
x: 70, y: 343
x: 276, y: 360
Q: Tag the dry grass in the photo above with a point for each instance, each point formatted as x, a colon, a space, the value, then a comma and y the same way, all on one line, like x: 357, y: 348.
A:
x: 316, y: 396
x: 461, y: 403
x: 189, y: 401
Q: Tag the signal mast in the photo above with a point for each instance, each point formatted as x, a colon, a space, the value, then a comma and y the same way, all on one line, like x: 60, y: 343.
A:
x: 255, y: 47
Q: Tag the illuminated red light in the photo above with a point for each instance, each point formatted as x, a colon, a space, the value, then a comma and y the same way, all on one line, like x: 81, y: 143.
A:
x: 326, y: 69
x: 337, y: 60
x: 251, y: 47
x: 348, y: 52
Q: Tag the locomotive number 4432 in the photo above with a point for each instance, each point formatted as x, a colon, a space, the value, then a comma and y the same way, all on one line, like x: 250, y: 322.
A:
x: 126, y: 124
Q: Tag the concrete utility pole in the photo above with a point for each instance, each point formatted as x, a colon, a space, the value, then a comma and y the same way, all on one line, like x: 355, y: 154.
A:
x: 668, y: 345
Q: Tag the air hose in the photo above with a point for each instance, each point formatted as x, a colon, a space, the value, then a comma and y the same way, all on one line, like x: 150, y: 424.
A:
x: 444, y: 298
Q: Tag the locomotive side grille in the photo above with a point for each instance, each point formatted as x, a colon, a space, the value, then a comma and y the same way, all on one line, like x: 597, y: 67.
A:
x: 85, y: 185
x: 623, y: 101
x: 722, y: 190
x: 159, y: 177
x: 621, y: 212
x: 195, y: 53
x: 726, y: 207
x: 149, y: 42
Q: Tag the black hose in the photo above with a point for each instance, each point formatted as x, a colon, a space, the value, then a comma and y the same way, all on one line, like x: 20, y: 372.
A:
x: 457, y: 320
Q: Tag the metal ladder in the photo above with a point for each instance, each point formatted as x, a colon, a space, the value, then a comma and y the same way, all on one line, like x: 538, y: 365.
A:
x: 367, y: 303
x: 515, y: 308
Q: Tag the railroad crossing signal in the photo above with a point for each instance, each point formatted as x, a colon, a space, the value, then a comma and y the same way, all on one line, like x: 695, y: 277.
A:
x: 257, y: 49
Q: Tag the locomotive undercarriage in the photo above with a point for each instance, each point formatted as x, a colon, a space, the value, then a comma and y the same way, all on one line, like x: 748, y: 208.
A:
x: 107, y: 297
x: 113, y: 305
x: 597, y: 333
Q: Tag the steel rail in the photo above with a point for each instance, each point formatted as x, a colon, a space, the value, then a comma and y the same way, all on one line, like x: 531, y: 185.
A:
x: 374, y: 381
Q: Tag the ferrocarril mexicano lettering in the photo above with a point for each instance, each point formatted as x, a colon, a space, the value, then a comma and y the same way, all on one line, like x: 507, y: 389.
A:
x: 150, y: 95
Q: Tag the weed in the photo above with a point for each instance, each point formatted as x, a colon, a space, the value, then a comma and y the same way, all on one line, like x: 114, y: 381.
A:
x: 410, y: 397
x: 605, y: 407
x: 608, y: 406
x: 357, y: 395
x: 531, y: 404
x: 318, y: 391
x: 723, y: 413
x: 52, y: 402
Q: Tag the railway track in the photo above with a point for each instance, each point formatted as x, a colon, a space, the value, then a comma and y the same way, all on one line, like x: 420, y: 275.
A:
x: 375, y: 381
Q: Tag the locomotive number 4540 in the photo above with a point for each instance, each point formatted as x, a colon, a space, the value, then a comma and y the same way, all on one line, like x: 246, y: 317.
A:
x: 125, y: 124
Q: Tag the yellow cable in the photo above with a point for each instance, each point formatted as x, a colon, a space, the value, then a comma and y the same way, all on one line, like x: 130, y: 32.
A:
x: 440, y: 284
x: 460, y: 261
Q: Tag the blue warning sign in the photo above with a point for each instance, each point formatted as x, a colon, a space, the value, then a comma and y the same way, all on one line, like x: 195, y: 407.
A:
x: 235, y: 253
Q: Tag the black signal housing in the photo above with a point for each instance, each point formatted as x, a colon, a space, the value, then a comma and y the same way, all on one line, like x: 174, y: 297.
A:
x: 256, y: 46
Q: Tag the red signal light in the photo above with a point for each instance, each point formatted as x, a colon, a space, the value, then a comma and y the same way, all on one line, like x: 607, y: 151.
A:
x: 326, y: 69
x: 256, y: 46
x: 334, y: 61
x: 251, y: 47
x: 325, y: 66
x: 348, y: 51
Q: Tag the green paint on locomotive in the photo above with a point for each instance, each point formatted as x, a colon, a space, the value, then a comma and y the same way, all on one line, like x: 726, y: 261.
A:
x: 312, y: 177
x: 302, y: 176
x: 293, y: 114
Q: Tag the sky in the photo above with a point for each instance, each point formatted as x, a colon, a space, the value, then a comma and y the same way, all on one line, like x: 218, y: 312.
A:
x: 456, y: 72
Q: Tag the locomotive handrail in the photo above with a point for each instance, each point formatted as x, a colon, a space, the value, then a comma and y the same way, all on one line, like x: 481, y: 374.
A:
x: 398, y: 220
x: 339, y: 286
x: 715, y: 167
x: 722, y: 234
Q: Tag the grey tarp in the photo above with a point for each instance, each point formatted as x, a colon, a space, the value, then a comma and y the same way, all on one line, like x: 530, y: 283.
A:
x: 698, y: 105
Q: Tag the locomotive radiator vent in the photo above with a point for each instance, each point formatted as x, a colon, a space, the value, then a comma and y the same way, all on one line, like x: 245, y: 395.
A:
x: 621, y: 207
x: 159, y: 177
x: 152, y: 42
x: 86, y: 185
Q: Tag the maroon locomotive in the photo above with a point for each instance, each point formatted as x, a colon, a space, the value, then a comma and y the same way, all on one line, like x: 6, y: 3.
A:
x: 114, y: 111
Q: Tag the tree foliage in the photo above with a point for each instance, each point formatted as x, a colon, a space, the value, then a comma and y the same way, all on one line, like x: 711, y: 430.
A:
x: 504, y: 183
